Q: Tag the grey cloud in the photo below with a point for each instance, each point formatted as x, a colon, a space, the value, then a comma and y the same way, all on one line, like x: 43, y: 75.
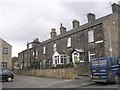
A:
x: 82, y: 8
x: 24, y: 20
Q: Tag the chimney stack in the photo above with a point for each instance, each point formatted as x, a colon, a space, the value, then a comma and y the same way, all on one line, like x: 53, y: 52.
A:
x: 91, y: 17
x: 27, y: 45
x: 53, y: 33
x: 75, y: 23
x: 62, y: 29
x: 115, y: 8
x: 35, y: 43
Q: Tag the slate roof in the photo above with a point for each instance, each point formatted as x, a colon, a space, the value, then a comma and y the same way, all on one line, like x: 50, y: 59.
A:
x: 61, y: 52
x: 5, y: 42
x: 79, y: 50
x: 74, y: 30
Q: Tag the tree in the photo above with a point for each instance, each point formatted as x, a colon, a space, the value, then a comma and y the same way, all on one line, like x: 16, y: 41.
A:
x: 14, y: 60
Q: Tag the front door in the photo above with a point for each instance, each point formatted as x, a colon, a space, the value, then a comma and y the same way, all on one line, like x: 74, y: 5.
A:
x: 81, y: 56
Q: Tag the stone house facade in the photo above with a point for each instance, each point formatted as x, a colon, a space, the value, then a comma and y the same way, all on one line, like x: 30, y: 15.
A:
x: 5, y: 54
x: 97, y: 38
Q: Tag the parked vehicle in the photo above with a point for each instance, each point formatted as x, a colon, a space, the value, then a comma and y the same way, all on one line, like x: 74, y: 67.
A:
x: 105, y: 69
x: 6, y: 75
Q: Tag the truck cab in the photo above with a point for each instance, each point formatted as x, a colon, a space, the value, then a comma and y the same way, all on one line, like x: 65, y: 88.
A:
x: 105, y: 69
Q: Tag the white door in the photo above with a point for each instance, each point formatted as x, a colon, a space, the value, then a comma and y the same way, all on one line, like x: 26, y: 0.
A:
x: 75, y: 57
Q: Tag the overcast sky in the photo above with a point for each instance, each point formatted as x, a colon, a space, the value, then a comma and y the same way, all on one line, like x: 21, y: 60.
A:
x: 23, y: 20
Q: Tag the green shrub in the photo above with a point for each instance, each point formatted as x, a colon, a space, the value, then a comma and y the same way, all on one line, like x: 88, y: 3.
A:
x: 77, y: 62
x: 35, y: 64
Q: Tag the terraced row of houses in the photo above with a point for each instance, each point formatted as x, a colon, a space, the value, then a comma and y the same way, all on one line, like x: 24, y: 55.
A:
x: 97, y: 38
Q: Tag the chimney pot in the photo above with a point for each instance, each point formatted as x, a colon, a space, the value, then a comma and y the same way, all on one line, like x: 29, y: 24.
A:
x: 53, y: 33
x: 91, y: 17
x: 62, y: 29
x: 115, y: 8
x: 75, y: 23
x: 27, y: 45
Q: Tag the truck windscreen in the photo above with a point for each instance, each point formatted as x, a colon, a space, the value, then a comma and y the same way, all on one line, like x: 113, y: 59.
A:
x: 99, y: 62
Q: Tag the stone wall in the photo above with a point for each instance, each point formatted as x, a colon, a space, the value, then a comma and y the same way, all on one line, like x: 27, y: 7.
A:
x: 110, y: 27
x: 6, y: 57
x: 63, y: 73
x: 119, y: 35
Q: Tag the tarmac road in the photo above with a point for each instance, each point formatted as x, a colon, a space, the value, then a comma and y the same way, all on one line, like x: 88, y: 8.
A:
x: 21, y: 81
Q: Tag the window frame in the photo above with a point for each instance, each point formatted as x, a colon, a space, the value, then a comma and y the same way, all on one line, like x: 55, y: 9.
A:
x: 69, y: 42
x: 91, y: 55
x: 63, y: 59
x: 36, y: 51
x: 54, y: 47
x: 5, y: 50
x: 60, y: 59
x: 44, y: 50
x: 91, y: 36
x: 4, y: 64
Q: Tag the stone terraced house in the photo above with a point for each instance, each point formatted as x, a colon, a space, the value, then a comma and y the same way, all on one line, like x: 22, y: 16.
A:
x: 5, y: 54
x: 97, y: 38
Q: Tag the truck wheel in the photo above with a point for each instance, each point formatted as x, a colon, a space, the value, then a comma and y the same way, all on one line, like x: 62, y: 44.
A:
x: 117, y: 79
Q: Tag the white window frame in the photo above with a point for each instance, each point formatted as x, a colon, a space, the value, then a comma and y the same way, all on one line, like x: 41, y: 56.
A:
x: 90, y: 36
x: 57, y: 59
x: 69, y: 40
x: 54, y: 47
x: 36, y: 52
x: 90, y: 55
x: 101, y: 41
x: 64, y: 57
x: 44, y: 50
x: 33, y: 53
